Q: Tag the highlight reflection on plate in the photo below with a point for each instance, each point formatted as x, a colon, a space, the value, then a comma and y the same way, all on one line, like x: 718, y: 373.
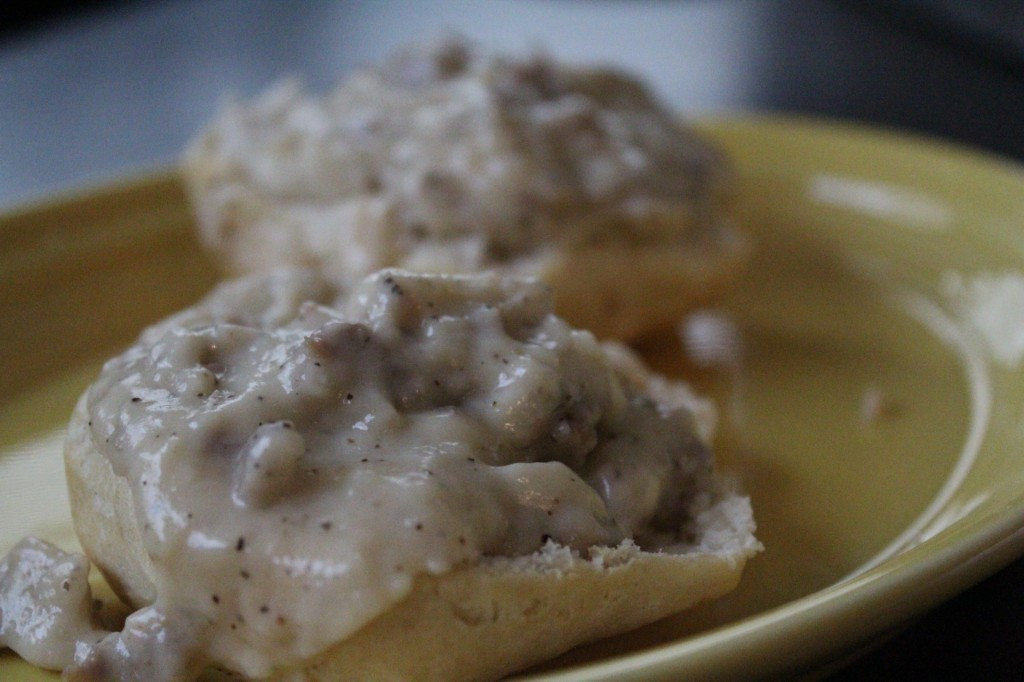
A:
x: 868, y: 373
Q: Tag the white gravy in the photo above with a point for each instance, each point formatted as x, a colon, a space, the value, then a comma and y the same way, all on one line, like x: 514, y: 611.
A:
x: 298, y: 454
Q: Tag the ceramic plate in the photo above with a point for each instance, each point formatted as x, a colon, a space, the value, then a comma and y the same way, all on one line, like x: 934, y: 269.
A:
x: 868, y: 371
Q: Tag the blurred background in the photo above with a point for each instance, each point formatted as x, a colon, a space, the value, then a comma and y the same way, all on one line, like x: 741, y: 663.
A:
x: 95, y: 90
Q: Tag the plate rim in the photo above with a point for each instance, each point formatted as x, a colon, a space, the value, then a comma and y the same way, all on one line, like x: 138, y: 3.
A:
x: 954, y: 559
x: 936, y: 569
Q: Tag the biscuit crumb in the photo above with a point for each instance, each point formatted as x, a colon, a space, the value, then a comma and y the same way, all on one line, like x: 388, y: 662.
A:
x: 878, y: 405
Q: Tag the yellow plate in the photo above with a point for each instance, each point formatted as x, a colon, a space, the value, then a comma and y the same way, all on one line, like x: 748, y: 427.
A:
x: 875, y: 417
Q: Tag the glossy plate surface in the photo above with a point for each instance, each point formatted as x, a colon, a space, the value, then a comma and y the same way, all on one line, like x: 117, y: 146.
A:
x: 868, y: 372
